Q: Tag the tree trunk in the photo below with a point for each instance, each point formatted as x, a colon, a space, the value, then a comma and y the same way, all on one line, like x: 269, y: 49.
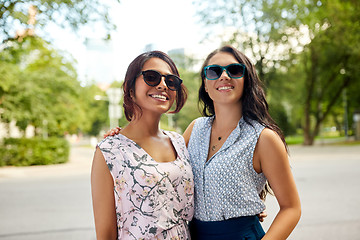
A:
x: 308, y: 139
x: 310, y: 88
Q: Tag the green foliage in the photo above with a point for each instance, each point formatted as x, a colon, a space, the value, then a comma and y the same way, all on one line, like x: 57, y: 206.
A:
x: 95, y: 113
x: 65, y: 13
x: 331, y: 62
x: 280, y: 116
x: 260, y: 28
x: 34, y: 151
x: 39, y: 87
x: 306, y: 52
x: 38, y: 84
x: 190, y: 111
x: 295, y: 139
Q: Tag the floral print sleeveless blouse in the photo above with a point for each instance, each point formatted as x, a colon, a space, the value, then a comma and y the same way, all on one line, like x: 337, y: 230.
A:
x: 153, y: 200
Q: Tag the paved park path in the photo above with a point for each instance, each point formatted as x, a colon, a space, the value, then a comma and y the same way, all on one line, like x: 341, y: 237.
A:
x: 54, y: 202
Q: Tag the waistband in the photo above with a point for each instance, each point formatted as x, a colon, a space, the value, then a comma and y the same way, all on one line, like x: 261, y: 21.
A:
x: 225, y: 226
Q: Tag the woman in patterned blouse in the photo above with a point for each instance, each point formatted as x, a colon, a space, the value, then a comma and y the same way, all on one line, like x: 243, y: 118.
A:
x: 141, y: 179
x: 234, y: 151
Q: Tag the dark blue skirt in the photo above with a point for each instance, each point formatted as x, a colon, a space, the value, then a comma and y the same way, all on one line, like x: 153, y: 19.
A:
x: 241, y: 228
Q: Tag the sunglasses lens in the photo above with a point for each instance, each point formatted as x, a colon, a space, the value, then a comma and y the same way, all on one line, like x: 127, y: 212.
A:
x: 173, y: 82
x: 235, y: 70
x: 213, y: 72
x: 152, y: 78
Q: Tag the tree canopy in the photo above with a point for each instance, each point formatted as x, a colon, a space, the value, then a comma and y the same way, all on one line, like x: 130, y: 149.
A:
x: 22, y: 15
x: 39, y: 87
x: 306, y: 52
x: 38, y: 83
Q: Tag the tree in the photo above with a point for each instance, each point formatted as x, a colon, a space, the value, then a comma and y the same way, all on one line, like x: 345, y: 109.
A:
x: 39, y: 87
x: 95, y: 116
x: 257, y: 27
x: 14, y: 14
x: 331, y: 62
x: 190, y: 111
x: 262, y: 29
x: 319, y: 39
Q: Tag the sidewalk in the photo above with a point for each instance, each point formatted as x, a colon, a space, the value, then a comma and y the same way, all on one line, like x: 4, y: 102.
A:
x: 54, y: 201
x: 81, y: 156
x: 48, y: 202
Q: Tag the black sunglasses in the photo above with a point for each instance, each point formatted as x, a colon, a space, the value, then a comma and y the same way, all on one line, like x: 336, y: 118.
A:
x: 153, y: 78
x: 235, y: 70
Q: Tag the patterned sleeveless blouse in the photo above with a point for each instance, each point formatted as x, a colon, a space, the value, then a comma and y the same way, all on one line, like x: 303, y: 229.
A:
x: 154, y: 200
x: 226, y: 186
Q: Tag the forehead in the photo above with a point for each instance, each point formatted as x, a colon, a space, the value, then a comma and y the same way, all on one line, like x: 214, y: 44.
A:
x: 158, y: 65
x: 222, y: 59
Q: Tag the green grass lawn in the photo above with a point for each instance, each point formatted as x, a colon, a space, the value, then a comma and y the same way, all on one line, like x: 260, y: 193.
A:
x: 334, y: 140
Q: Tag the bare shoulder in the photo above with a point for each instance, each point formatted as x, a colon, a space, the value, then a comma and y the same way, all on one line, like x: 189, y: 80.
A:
x: 269, y: 139
x: 99, y: 163
x: 188, y: 131
x: 270, y: 151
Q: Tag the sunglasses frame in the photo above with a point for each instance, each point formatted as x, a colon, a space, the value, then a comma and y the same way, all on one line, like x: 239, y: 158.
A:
x: 166, y: 79
x: 222, y: 70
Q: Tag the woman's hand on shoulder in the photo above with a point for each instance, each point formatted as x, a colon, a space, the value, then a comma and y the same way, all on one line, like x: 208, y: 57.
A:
x: 112, y: 132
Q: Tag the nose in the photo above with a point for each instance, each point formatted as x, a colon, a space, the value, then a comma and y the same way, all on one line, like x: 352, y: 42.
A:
x: 162, y: 84
x: 224, y: 75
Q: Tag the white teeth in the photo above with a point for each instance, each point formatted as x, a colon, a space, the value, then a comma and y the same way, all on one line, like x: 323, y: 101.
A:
x: 159, y: 97
x: 225, y: 88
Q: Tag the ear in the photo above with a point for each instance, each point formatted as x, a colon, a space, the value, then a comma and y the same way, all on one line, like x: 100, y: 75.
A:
x: 205, y: 86
x: 132, y: 94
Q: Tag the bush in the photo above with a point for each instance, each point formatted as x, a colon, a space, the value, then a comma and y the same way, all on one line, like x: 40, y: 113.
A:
x: 33, y: 151
x: 279, y: 115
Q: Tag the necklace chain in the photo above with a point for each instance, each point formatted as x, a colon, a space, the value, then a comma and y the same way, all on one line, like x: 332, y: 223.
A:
x: 214, y: 146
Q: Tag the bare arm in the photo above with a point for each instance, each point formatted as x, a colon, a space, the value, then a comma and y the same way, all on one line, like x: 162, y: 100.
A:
x: 102, y: 189
x: 271, y: 156
x: 187, y: 132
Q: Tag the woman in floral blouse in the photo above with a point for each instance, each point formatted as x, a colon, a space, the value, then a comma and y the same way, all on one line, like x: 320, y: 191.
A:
x: 141, y: 179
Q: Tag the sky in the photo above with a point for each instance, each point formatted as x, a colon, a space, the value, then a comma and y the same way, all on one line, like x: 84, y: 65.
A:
x: 166, y: 24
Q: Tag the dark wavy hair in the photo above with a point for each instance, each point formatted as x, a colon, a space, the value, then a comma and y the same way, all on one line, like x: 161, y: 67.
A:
x: 133, y: 72
x: 254, y: 104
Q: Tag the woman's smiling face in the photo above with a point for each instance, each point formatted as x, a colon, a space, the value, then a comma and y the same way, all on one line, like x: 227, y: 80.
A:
x: 157, y: 99
x: 224, y: 89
